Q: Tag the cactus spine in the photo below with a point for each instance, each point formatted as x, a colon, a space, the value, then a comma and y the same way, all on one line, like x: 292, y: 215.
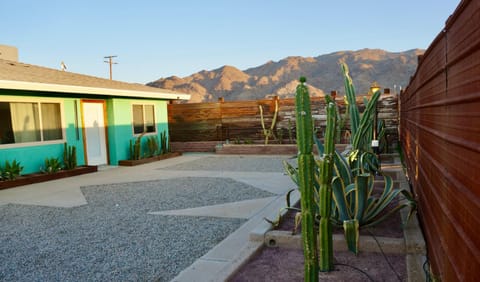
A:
x: 306, y: 179
x: 325, y: 241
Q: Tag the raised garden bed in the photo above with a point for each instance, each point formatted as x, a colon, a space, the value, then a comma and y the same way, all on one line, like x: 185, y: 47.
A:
x: 259, y: 149
x: 42, y: 177
x: 149, y: 160
x: 388, y: 252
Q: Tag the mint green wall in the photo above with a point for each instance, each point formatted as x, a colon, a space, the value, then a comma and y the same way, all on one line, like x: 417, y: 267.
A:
x: 120, y: 130
x: 32, y: 157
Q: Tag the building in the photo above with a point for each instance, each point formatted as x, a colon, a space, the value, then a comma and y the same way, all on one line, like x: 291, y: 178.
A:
x: 43, y: 108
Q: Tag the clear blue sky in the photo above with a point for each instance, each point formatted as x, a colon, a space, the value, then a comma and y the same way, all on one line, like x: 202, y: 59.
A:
x: 156, y: 38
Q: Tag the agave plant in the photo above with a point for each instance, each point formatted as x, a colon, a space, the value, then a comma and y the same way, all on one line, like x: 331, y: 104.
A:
x: 11, y: 170
x: 52, y: 165
x: 356, y: 205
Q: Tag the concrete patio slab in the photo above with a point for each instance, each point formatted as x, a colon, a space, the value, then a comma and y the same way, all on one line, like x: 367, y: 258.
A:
x: 243, y: 209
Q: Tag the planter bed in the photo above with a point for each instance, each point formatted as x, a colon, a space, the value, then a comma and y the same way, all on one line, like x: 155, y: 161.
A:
x: 262, y: 149
x: 149, y: 160
x: 42, y: 177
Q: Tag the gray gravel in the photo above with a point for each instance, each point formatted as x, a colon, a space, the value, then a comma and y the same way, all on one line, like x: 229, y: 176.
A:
x: 113, y: 238
x: 235, y: 163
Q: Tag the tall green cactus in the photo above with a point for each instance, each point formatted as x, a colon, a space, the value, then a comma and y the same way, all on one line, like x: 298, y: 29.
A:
x: 69, y: 156
x: 306, y: 164
x: 325, y: 239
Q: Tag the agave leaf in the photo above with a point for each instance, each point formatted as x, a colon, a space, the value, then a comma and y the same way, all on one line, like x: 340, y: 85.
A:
x: 361, y: 196
x: 351, y: 230
x: 351, y: 98
x: 340, y: 200
x: 291, y: 171
x: 365, y: 125
x: 411, y: 204
x: 288, y: 196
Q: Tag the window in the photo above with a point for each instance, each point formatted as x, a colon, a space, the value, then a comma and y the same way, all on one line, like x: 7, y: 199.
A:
x: 143, y: 119
x: 22, y: 122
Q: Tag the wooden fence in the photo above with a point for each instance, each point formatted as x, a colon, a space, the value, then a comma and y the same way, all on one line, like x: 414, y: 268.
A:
x: 440, y: 135
x: 240, y: 121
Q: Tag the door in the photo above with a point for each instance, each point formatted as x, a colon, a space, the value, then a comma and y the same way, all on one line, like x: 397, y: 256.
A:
x: 94, y: 128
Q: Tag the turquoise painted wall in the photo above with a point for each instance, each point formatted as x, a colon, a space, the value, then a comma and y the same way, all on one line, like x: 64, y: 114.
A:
x: 32, y: 157
x: 120, y: 130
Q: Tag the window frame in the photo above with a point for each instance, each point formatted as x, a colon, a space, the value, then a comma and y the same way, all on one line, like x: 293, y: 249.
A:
x: 144, y: 132
x: 39, y: 102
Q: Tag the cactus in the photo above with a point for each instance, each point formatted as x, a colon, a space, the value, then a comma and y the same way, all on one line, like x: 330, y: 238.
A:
x: 269, y: 132
x: 306, y: 179
x: 152, y: 146
x: 135, y: 148
x: 164, y: 143
x: 69, y: 156
x: 325, y: 239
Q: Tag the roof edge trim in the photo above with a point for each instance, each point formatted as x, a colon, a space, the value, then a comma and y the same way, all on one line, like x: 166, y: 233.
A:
x: 36, y: 86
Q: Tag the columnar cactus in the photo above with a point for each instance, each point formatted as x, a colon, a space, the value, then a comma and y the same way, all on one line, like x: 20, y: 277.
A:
x: 69, y: 156
x: 306, y: 164
x: 325, y: 240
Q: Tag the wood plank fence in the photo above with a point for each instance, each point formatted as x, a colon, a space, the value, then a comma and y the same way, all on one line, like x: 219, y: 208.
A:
x: 440, y: 135
x: 240, y: 121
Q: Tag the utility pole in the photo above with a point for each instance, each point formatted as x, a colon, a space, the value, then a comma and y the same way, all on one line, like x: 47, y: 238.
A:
x: 110, y: 62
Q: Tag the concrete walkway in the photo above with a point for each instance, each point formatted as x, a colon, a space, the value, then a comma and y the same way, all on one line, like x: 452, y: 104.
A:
x: 219, y: 262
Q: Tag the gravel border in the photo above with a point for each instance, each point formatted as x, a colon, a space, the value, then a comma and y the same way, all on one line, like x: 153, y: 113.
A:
x: 113, y: 238
x: 235, y: 163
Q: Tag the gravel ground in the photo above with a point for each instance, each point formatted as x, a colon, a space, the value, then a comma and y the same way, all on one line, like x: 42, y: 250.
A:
x: 113, y: 238
x: 235, y: 163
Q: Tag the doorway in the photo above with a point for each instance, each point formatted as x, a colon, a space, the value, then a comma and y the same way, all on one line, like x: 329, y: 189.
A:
x: 95, y: 132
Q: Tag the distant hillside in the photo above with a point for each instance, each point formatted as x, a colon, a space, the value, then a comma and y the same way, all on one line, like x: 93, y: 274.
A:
x: 280, y: 78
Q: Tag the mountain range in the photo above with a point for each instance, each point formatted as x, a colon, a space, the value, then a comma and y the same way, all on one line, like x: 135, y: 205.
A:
x: 389, y: 69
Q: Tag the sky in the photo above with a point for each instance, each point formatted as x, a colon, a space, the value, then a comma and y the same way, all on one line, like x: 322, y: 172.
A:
x: 156, y: 38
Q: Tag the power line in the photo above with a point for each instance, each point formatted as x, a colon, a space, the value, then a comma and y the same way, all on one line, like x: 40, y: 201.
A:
x: 110, y: 62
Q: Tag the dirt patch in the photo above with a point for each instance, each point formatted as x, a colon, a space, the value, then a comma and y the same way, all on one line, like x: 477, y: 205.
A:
x: 281, y: 264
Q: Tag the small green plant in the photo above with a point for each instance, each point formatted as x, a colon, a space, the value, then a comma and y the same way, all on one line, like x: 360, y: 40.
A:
x: 280, y: 133
x: 269, y: 132
x: 290, y: 131
x: 248, y: 141
x: 164, y: 143
x: 69, y: 157
x: 11, y: 170
x: 136, y: 147
x: 152, y: 146
x: 52, y: 165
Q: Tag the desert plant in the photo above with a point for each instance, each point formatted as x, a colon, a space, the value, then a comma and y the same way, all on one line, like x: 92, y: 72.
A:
x: 290, y: 131
x: 135, y: 148
x: 361, y: 157
x: 280, y: 133
x: 306, y: 164
x: 355, y: 206
x: 325, y: 165
x: 11, y: 170
x: 152, y: 146
x: 52, y: 165
x: 164, y: 143
x: 69, y: 157
x: 268, y: 132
